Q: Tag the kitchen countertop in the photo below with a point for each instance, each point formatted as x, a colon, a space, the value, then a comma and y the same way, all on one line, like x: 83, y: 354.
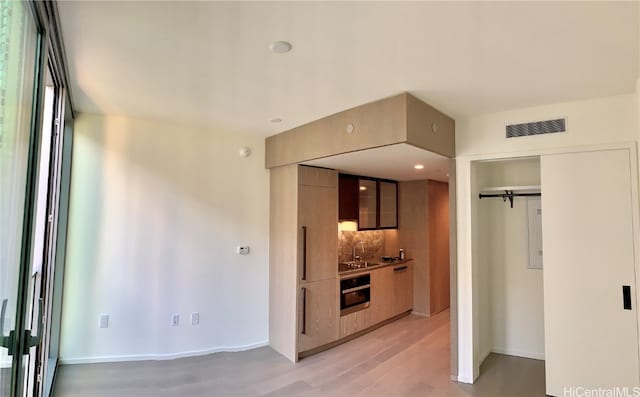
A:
x: 372, y: 264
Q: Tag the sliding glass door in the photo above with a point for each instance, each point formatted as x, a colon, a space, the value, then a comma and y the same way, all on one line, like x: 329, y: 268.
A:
x: 19, y: 42
x: 34, y: 141
x: 44, y: 269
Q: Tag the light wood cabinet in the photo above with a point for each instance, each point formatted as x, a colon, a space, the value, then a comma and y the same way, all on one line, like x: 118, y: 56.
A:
x: 318, y: 246
x: 317, y: 257
x: 303, y: 196
x: 318, y: 304
x: 382, y: 295
x: 315, y: 176
x: 391, y: 291
x: 354, y: 322
x: 403, y: 288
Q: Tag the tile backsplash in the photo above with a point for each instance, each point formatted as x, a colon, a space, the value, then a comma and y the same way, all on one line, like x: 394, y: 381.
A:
x: 373, y: 244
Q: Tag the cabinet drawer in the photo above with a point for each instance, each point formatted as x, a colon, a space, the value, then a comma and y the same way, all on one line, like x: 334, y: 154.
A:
x: 354, y: 322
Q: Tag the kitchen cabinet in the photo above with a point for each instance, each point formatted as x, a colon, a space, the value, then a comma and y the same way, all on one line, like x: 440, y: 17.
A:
x: 403, y: 288
x: 372, y: 202
x: 303, y: 258
x: 318, y: 316
x: 355, y: 322
x: 388, y: 196
x: 317, y: 257
x: 348, y: 197
x: 318, y: 246
x: 382, y: 294
x: 367, y: 204
x: 391, y: 291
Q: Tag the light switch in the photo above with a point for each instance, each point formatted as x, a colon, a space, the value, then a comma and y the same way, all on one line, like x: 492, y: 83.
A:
x: 243, y: 249
x: 104, y: 321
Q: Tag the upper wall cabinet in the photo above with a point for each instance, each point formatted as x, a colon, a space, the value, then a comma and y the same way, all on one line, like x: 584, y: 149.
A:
x: 373, y: 203
x: 367, y: 204
x: 388, y: 196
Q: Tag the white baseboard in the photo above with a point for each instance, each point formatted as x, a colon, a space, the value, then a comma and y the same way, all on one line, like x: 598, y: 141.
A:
x: 419, y: 314
x: 157, y: 357
x: 518, y: 353
x: 464, y: 379
x: 485, y: 355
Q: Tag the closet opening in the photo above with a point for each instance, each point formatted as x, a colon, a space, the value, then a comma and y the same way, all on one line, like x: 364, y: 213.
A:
x: 508, y: 270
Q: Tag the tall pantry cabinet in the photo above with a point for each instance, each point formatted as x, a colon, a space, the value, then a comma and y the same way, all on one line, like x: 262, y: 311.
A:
x: 318, y: 257
x: 303, y: 251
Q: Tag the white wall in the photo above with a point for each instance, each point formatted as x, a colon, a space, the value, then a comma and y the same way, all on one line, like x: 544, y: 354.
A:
x: 511, y: 303
x: 601, y: 121
x: 156, y: 211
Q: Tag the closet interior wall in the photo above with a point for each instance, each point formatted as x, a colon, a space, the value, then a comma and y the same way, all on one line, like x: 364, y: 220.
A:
x: 510, y: 295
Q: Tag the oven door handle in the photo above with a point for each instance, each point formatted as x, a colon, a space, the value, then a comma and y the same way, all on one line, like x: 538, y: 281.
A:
x: 354, y: 289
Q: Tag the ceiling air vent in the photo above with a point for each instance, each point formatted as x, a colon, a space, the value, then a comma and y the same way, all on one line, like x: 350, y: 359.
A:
x: 536, y: 128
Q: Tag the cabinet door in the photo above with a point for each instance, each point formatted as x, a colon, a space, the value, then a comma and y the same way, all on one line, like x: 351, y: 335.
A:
x: 382, y: 294
x: 388, y: 205
x: 348, y: 198
x: 319, y: 315
x: 591, y: 339
x: 368, y: 204
x: 318, y: 246
x: 403, y: 288
x: 354, y: 322
x: 314, y: 176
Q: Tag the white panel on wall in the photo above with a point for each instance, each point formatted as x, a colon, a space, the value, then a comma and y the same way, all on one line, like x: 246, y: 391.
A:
x: 591, y: 341
x: 534, y: 224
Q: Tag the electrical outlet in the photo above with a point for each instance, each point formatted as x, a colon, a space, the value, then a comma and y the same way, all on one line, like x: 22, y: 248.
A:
x: 195, y: 318
x: 243, y: 250
x: 103, y: 321
x: 175, y: 320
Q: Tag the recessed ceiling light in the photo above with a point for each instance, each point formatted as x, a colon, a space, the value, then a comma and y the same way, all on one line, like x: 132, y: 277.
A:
x: 276, y: 120
x: 418, y: 166
x: 280, y: 47
x: 363, y: 188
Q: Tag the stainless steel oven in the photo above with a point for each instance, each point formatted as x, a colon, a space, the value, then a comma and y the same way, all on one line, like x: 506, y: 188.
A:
x: 355, y: 293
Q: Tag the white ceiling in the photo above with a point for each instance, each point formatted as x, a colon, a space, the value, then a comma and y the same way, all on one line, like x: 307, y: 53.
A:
x: 208, y: 62
x: 390, y: 162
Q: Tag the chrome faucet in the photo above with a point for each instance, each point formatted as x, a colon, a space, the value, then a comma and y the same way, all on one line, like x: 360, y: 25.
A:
x: 355, y: 257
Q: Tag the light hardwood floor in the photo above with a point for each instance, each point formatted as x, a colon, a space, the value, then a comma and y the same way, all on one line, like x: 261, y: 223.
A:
x: 409, y: 357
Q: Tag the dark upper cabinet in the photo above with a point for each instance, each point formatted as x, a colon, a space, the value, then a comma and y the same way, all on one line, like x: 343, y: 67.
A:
x: 348, y: 197
x: 373, y: 203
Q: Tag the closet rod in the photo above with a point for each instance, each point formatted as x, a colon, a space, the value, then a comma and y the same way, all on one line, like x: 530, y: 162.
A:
x: 509, y: 195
